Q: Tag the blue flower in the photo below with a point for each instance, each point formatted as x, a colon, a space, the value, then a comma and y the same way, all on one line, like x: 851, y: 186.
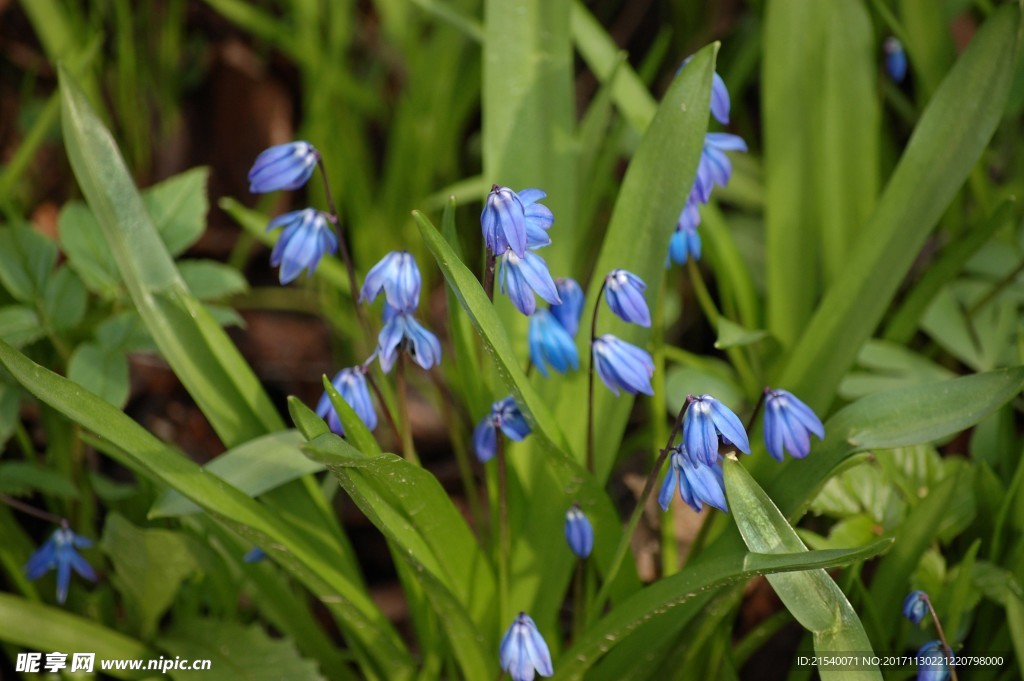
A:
x: 515, y: 221
x: 719, y: 96
x: 915, y: 606
x: 351, y: 385
x: 402, y: 329
x: 579, y: 533
x: 622, y: 365
x: 521, y: 277
x: 714, y: 167
x: 398, y: 276
x: 933, y: 662
x: 59, y: 553
x: 895, y: 59
x: 551, y: 344
x: 569, y: 311
x: 305, y: 239
x: 254, y: 555
x: 685, y: 242
x: 698, y: 483
x: 286, y: 166
x: 506, y: 416
x: 706, y: 418
x: 624, y: 292
x: 788, y: 423
x: 523, y: 651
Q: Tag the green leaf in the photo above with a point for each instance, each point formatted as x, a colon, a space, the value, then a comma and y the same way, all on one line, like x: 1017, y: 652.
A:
x: 20, y: 325
x: 81, y: 239
x: 952, y: 133
x: 731, y: 334
x: 235, y: 651
x: 210, y: 280
x: 21, y: 478
x: 355, y: 430
x: 64, y: 299
x: 812, y: 597
x: 198, y: 350
x: 101, y: 371
x: 253, y: 468
x: 177, y: 207
x: 149, y: 567
x: 26, y: 261
x: 38, y: 627
x: 10, y: 407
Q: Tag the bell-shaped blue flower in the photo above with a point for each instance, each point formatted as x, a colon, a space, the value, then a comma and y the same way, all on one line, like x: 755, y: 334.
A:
x: 706, y: 419
x: 579, y: 533
x: 685, y: 243
x: 524, y: 652
x: 622, y: 365
x: 788, y: 423
x: 506, y: 417
x: 719, y: 96
x: 551, y: 344
x: 58, y: 553
x: 401, y: 330
x: 698, y: 483
x: 351, y: 385
x: 286, y: 166
x: 714, y: 167
x: 538, y: 218
x: 307, y: 236
x: 624, y: 292
x: 915, y: 606
x: 515, y: 221
x: 254, y: 555
x: 521, y: 277
x: 569, y: 311
x: 933, y: 662
x: 895, y: 59
x: 398, y: 276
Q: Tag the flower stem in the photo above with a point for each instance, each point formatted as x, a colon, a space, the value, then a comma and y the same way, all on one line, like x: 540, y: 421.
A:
x: 590, y: 380
x: 578, y: 614
x: 408, y: 448
x: 32, y: 510
x: 503, y: 534
x: 383, y: 404
x: 489, y: 264
x: 627, y: 537
x: 950, y: 660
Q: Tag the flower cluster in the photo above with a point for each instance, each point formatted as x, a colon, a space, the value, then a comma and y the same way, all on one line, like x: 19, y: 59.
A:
x: 622, y: 365
x: 58, y: 553
x: 504, y: 416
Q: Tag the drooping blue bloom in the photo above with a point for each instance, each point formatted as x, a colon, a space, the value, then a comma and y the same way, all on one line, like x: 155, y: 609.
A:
x: 714, y: 167
x: 521, y: 277
x: 579, y: 533
x: 307, y: 236
x: 551, y: 344
x: 285, y: 166
x: 685, y: 242
x: 505, y: 416
x: 915, y: 606
x: 402, y: 330
x: 398, y: 276
x: 624, y: 292
x: 351, y: 385
x: 515, y: 221
x: 59, y: 553
x: 788, y: 423
x: 539, y: 218
x: 933, y: 662
x: 622, y: 365
x: 569, y: 311
x: 719, y: 96
x: 895, y: 59
x: 706, y: 419
x: 254, y: 555
x: 524, y: 652
x: 698, y: 483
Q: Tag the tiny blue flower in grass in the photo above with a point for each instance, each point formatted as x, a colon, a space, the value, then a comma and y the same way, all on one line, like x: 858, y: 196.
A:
x: 521, y: 277
x: 398, y: 276
x: 706, y: 419
x: 307, y: 236
x: 788, y: 423
x: 58, y: 553
x: 505, y: 416
x: 698, y: 484
x: 524, y: 652
x: 254, y: 555
x: 400, y: 330
x: 895, y: 59
x: 714, y: 167
x: 623, y: 366
x: 624, y: 292
x: 515, y: 221
x: 569, y: 311
x: 685, y: 243
x: 286, y: 166
x: 915, y: 606
x: 933, y: 662
x: 719, y: 96
x: 551, y: 345
x: 579, y: 533
x: 351, y: 385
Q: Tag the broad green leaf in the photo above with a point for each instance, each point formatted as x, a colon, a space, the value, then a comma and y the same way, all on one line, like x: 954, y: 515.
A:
x: 149, y: 567
x: 731, y: 334
x: 81, y: 239
x: 26, y: 261
x: 363, y: 624
x: 177, y: 206
x: 199, y: 351
x: 21, y: 478
x: 246, y: 653
x: 101, y: 371
x: 812, y: 597
x: 254, y: 468
x: 210, y: 280
x: 952, y: 133
x: 20, y: 325
x: 38, y: 627
x: 890, y: 366
x: 687, y: 591
x: 64, y: 299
